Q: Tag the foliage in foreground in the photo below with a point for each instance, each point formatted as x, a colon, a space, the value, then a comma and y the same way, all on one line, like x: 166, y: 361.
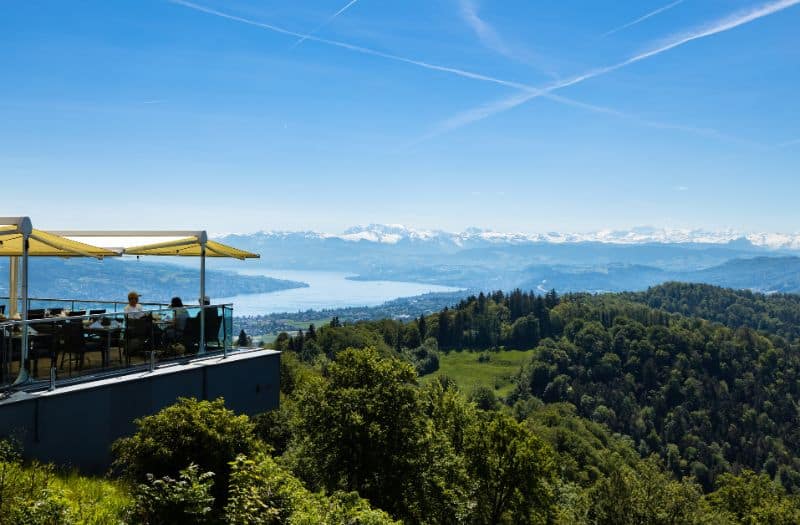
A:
x: 355, y: 433
x: 37, y: 494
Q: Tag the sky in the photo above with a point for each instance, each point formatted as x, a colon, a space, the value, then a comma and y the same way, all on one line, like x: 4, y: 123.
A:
x: 513, y: 115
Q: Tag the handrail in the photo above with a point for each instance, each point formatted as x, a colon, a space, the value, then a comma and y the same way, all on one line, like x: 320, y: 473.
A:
x: 98, y: 301
x: 108, y: 342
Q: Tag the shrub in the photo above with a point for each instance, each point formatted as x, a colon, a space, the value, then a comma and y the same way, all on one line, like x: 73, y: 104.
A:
x: 262, y: 492
x: 484, y: 398
x: 201, y: 432
x: 167, y: 501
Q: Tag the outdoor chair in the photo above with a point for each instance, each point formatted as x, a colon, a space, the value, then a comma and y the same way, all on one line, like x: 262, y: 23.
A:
x: 55, y: 311
x: 213, y: 322
x: 75, y: 345
x: 36, y: 313
x: 77, y: 313
x: 43, y: 345
x: 139, y: 336
x: 191, y: 334
x: 97, y: 312
x: 2, y: 309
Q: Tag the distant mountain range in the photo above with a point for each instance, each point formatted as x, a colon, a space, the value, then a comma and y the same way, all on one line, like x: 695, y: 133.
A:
x: 395, y: 234
x: 474, y: 260
x: 482, y: 259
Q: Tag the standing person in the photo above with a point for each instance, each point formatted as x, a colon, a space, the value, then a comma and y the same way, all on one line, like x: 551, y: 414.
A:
x: 133, y: 309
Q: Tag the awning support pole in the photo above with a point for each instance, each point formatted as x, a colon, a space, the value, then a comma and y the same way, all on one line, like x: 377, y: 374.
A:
x: 13, y: 285
x: 23, y: 377
x: 202, y: 348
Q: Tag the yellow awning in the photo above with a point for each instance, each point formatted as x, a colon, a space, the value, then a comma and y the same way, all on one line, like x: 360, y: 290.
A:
x: 44, y: 244
x: 190, y: 247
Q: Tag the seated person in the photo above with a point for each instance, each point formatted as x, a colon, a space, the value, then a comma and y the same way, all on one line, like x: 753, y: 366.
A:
x: 179, y: 316
x: 133, y: 309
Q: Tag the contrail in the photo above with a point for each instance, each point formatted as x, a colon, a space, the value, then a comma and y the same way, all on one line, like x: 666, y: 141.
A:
x: 491, y: 39
x: 527, y: 92
x: 486, y: 33
x: 721, y: 26
x: 358, y: 49
x: 328, y: 21
x: 487, y: 110
x: 645, y: 17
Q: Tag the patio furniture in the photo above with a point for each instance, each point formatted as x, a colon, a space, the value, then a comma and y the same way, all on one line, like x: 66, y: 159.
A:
x: 139, y: 336
x: 36, y: 313
x: 74, y: 345
x: 213, y: 322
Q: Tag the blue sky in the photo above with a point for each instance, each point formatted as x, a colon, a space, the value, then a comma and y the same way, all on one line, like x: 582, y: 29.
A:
x: 214, y: 114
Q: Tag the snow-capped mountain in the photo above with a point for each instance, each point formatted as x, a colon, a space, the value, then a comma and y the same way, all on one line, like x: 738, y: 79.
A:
x: 393, y: 234
x: 488, y: 259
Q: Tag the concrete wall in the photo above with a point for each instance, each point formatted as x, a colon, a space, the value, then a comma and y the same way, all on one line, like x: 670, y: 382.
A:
x: 75, y: 426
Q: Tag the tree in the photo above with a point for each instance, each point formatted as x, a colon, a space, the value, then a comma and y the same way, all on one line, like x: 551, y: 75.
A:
x: 422, y: 325
x: 752, y: 499
x: 361, y: 430
x: 645, y: 494
x: 513, y: 472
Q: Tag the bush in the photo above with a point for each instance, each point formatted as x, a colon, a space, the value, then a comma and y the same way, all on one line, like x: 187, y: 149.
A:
x: 201, y: 432
x: 484, y: 398
x: 261, y: 492
x: 168, y: 501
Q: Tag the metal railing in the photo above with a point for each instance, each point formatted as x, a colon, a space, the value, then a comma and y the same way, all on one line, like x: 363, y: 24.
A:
x: 83, y: 347
x: 74, y: 305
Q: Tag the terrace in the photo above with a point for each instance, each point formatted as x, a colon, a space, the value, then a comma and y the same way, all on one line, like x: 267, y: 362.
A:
x: 83, y: 352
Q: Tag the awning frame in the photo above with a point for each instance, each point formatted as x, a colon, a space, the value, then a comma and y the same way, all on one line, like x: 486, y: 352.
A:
x: 22, y: 226
x: 186, y: 239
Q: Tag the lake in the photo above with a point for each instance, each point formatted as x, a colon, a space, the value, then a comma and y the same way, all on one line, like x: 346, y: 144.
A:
x: 326, y: 290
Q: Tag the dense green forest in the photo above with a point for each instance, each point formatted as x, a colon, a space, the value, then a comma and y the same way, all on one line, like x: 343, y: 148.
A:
x: 777, y: 314
x: 708, y: 398
x: 624, y: 414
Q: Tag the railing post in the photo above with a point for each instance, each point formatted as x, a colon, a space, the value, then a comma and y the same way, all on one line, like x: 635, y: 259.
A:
x: 152, y: 360
x: 52, y: 378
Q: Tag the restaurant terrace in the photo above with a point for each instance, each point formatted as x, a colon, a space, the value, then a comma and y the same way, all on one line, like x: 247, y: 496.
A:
x: 92, y: 346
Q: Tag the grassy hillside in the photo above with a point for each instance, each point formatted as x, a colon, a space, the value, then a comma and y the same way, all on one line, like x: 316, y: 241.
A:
x: 469, y: 369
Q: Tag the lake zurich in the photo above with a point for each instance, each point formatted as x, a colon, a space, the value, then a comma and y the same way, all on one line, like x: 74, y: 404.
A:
x: 325, y: 290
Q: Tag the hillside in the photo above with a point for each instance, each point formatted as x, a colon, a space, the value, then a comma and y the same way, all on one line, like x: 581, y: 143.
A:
x: 707, y: 399
x: 111, y: 279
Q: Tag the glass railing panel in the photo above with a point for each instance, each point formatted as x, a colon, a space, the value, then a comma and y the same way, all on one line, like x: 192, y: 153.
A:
x: 85, y: 346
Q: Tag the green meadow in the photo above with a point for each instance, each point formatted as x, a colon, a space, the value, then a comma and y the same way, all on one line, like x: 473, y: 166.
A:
x: 468, y: 372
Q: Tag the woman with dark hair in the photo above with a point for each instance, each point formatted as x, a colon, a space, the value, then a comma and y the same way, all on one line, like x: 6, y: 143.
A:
x: 174, y: 333
x: 179, y: 314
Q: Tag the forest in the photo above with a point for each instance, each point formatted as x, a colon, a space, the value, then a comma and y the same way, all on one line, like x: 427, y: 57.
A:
x: 624, y: 414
